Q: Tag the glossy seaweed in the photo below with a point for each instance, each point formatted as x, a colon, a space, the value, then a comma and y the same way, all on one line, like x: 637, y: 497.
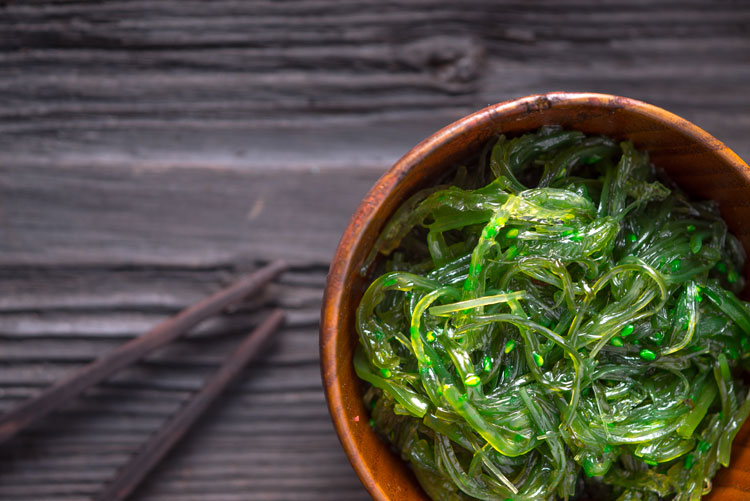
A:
x: 556, y: 319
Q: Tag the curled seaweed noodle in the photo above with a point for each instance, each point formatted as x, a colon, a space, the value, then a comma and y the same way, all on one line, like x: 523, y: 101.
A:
x: 557, y: 320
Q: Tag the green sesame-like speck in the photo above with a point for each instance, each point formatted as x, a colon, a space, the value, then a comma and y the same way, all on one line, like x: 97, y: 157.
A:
x: 487, y: 364
x: 386, y: 372
x: 627, y: 330
x: 648, y: 355
x: 691, y: 227
x: 472, y: 380
x: 430, y: 336
x: 538, y: 359
x: 509, y: 345
x: 675, y: 264
x: 512, y: 233
x: 633, y: 237
x: 721, y: 267
x: 616, y: 341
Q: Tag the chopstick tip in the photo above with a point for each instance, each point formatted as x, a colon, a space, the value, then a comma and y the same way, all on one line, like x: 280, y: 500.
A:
x: 278, y: 315
x: 280, y: 264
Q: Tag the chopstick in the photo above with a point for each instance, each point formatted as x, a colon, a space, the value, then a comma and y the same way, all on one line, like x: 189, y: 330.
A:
x: 37, y: 407
x: 159, y: 445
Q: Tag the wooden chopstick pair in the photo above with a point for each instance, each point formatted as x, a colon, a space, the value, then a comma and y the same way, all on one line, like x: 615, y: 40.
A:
x: 128, y: 478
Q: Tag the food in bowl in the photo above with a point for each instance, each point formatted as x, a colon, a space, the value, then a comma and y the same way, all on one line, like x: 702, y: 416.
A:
x: 557, y: 319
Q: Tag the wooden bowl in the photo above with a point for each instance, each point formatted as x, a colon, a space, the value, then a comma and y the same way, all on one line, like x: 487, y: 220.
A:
x: 698, y: 162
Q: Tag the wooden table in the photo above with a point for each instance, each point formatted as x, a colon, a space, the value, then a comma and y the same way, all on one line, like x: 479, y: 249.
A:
x: 151, y: 151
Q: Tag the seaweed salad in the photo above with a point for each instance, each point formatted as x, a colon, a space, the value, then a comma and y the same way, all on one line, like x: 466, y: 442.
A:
x: 557, y: 321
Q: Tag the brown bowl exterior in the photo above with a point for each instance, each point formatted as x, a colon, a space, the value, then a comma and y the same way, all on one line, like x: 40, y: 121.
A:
x: 698, y: 162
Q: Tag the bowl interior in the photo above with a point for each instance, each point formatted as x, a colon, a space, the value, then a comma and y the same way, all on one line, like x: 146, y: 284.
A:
x: 699, y: 163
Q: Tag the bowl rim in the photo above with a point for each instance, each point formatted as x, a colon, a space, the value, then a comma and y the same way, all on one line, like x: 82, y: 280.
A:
x: 342, y: 263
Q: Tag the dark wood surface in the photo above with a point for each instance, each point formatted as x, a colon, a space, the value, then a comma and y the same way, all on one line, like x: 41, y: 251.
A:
x: 151, y: 151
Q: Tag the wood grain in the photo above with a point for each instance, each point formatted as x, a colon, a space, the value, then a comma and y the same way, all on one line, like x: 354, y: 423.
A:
x: 130, y: 476
x: 250, y: 84
x: 150, y: 151
x: 268, y: 438
x: 72, y: 385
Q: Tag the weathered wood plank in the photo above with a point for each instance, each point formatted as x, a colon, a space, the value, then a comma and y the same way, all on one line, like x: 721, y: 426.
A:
x: 296, y: 346
x: 181, y: 217
x: 115, y: 81
x: 275, y: 439
x: 249, y: 427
